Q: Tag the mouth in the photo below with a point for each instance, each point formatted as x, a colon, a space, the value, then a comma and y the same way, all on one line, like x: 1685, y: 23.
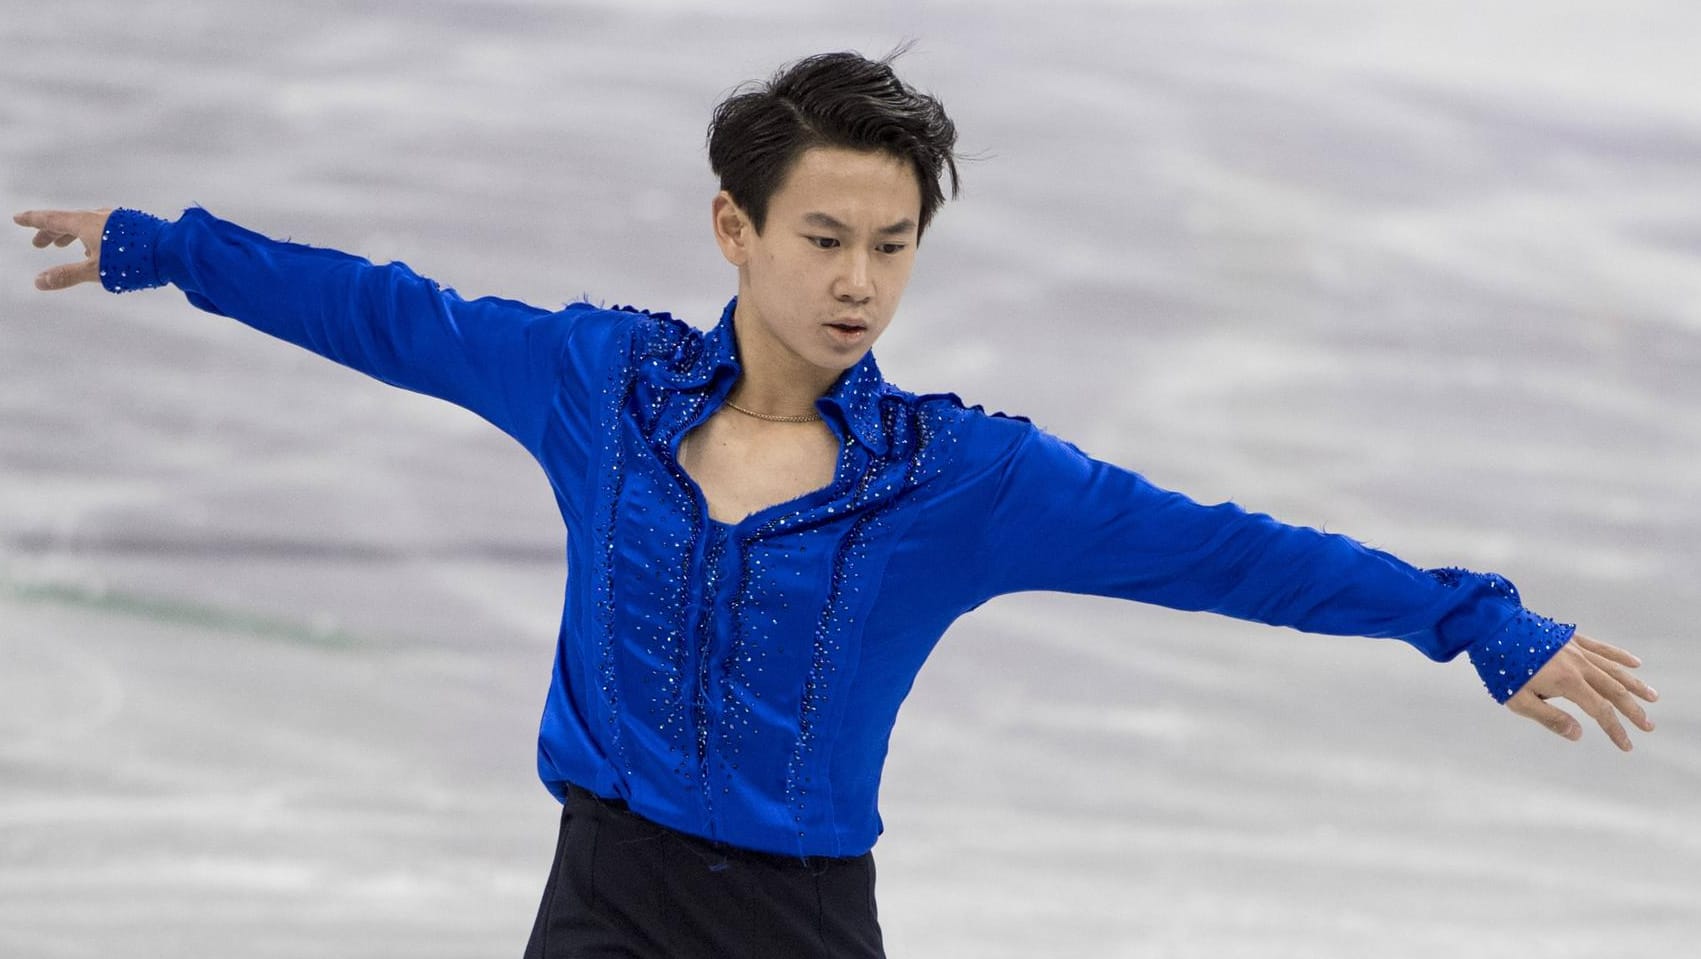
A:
x: 849, y: 326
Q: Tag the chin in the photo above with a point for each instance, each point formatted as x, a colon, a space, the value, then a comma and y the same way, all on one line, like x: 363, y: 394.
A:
x: 839, y: 363
x: 842, y: 358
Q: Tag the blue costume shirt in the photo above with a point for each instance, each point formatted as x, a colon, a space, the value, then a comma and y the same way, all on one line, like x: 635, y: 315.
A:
x: 740, y: 682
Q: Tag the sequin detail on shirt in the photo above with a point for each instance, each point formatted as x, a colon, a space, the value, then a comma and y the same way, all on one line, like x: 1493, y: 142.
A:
x: 714, y: 615
x: 1521, y: 648
x: 127, y: 251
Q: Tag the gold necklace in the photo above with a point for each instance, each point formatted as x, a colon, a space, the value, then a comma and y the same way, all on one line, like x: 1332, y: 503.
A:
x: 774, y: 417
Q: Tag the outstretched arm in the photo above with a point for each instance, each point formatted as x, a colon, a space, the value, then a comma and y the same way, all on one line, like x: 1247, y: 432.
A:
x: 496, y: 357
x: 1057, y: 519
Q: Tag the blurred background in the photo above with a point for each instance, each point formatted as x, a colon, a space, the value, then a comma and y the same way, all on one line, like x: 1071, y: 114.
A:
x: 274, y: 638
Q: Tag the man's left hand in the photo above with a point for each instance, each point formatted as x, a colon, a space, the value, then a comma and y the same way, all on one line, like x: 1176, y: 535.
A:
x: 1593, y: 675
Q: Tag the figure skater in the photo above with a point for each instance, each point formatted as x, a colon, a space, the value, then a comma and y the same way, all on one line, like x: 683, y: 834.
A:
x: 765, y: 539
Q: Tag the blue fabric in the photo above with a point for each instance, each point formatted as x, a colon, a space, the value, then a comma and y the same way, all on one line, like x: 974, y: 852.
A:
x: 739, y: 682
x: 127, y: 251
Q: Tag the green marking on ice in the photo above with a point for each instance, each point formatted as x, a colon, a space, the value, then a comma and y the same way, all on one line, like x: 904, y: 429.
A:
x: 159, y: 609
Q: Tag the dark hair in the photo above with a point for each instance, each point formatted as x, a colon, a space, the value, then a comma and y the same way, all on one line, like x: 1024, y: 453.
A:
x: 831, y: 100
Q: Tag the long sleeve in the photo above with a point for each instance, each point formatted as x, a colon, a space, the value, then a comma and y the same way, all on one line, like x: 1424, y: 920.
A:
x: 1057, y: 519
x: 497, y: 357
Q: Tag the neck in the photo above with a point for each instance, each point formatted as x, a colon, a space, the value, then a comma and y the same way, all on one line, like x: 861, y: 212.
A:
x: 775, y: 380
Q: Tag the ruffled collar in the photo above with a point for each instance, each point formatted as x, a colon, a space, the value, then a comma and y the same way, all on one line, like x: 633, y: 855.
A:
x: 706, y: 358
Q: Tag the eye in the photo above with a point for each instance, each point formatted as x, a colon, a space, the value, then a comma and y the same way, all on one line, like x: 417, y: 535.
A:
x: 892, y: 249
x: 824, y: 242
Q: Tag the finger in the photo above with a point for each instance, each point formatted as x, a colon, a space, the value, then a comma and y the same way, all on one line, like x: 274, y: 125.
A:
x: 1601, y: 710
x: 1615, y: 692
x: 68, y: 275
x: 1624, y: 679
x: 46, y: 238
x: 1608, y: 650
x: 1549, y: 715
x: 53, y: 221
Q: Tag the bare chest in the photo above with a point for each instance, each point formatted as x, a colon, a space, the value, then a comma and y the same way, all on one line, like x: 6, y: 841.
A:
x: 744, y: 469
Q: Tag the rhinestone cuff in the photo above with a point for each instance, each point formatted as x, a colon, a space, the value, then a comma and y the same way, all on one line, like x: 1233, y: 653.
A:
x: 1507, y: 659
x: 1524, y: 645
x: 127, y: 251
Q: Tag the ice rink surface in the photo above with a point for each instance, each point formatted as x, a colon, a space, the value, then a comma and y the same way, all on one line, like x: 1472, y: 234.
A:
x: 274, y: 638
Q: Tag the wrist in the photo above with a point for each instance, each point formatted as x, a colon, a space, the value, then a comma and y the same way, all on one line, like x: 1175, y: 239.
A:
x: 127, y: 243
x: 1509, y: 657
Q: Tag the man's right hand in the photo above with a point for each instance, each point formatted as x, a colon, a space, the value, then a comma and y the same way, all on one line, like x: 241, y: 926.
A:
x: 59, y: 228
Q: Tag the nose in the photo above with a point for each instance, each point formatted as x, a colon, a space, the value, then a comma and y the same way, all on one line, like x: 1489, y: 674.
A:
x: 855, y: 285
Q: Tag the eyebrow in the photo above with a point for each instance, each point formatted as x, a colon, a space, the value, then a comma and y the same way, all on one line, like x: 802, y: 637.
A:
x: 823, y: 220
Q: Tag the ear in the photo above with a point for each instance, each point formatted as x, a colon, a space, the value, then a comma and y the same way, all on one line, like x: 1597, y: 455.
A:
x: 733, y: 230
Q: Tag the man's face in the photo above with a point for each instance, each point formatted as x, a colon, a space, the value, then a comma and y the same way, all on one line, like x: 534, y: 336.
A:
x: 821, y: 282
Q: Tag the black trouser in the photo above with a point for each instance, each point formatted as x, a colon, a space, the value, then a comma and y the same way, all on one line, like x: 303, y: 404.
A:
x: 624, y: 886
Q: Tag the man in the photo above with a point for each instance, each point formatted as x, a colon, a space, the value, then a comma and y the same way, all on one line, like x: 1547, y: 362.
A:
x: 766, y: 539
